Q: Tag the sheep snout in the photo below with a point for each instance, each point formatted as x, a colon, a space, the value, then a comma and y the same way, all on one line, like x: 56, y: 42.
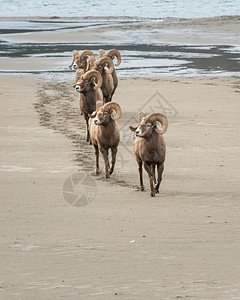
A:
x: 77, y: 88
x: 96, y: 121
x: 138, y: 132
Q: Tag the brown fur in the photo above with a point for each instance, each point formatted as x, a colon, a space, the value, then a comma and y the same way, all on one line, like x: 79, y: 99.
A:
x: 150, y: 151
x: 108, y: 84
x: 88, y: 98
x: 85, y: 63
x: 114, y: 74
x: 104, y: 136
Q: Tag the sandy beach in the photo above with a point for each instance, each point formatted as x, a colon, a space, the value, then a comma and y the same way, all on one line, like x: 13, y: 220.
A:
x: 184, y: 243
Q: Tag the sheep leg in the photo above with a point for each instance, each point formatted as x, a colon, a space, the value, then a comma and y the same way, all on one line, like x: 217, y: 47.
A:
x: 106, y: 162
x: 140, y: 174
x: 153, y: 171
x: 88, y: 135
x: 97, y: 159
x: 148, y: 168
x: 160, y: 169
x: 114, y: 153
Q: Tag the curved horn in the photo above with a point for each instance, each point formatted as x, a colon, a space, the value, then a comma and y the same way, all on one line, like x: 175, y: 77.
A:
x: 90, y: 62
x: 75, y: 53
x: 114, y: 53
x: 101, y: 53
x: 105, y: 60
x: 140, y: 116
x: 86, y: 53
x: 88, y: 65
x: 97, y: 75
x: 113, y: 106
x: 157, y: 117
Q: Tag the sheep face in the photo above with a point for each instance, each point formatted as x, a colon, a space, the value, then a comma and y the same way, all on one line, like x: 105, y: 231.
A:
x: 144, y: 129
x: 79, y: 63
x: 101, y: 116
x: 83, y: 86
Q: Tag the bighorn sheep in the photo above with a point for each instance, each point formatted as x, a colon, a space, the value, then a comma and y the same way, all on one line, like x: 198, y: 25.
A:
x: 149, y: 147
x: 90, y: 93
x: 104, y: 133
x: 105, y: 67
x: 83, y: 60
x: 112, y: 54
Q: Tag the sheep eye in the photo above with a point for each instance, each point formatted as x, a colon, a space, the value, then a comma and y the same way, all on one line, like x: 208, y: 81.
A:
x: 148, y: 125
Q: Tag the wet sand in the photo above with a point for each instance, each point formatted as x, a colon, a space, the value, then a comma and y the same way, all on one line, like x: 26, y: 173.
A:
x: 183, y: 243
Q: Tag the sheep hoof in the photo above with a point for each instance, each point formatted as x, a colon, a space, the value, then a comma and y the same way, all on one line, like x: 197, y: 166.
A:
x: 157, y: 191
x: 142, y: 188
x: 152, y: 194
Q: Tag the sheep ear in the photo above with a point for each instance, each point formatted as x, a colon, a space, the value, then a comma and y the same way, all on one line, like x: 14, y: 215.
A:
x: 93, y: 115
x: 132, y: 128
x: 74, y: 85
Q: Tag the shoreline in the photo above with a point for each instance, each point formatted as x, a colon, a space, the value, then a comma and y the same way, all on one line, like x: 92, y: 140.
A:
x: 208, y: 46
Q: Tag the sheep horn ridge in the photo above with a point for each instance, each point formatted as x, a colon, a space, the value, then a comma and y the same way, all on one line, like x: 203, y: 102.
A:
x: 86, y: 53
x: 105, y: 60
x: 158, y: 117
x: 114, y: 53
x: 141, y: 115
x: 113, y: 106
x: 95, y: 74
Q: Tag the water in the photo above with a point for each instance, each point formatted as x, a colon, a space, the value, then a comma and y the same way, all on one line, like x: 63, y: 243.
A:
x: 104, y: 8
x: 138, y: 59
x: 140, y: 36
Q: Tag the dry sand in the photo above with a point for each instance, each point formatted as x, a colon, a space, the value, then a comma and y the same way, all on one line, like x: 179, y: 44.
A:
x: 184, y: 243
